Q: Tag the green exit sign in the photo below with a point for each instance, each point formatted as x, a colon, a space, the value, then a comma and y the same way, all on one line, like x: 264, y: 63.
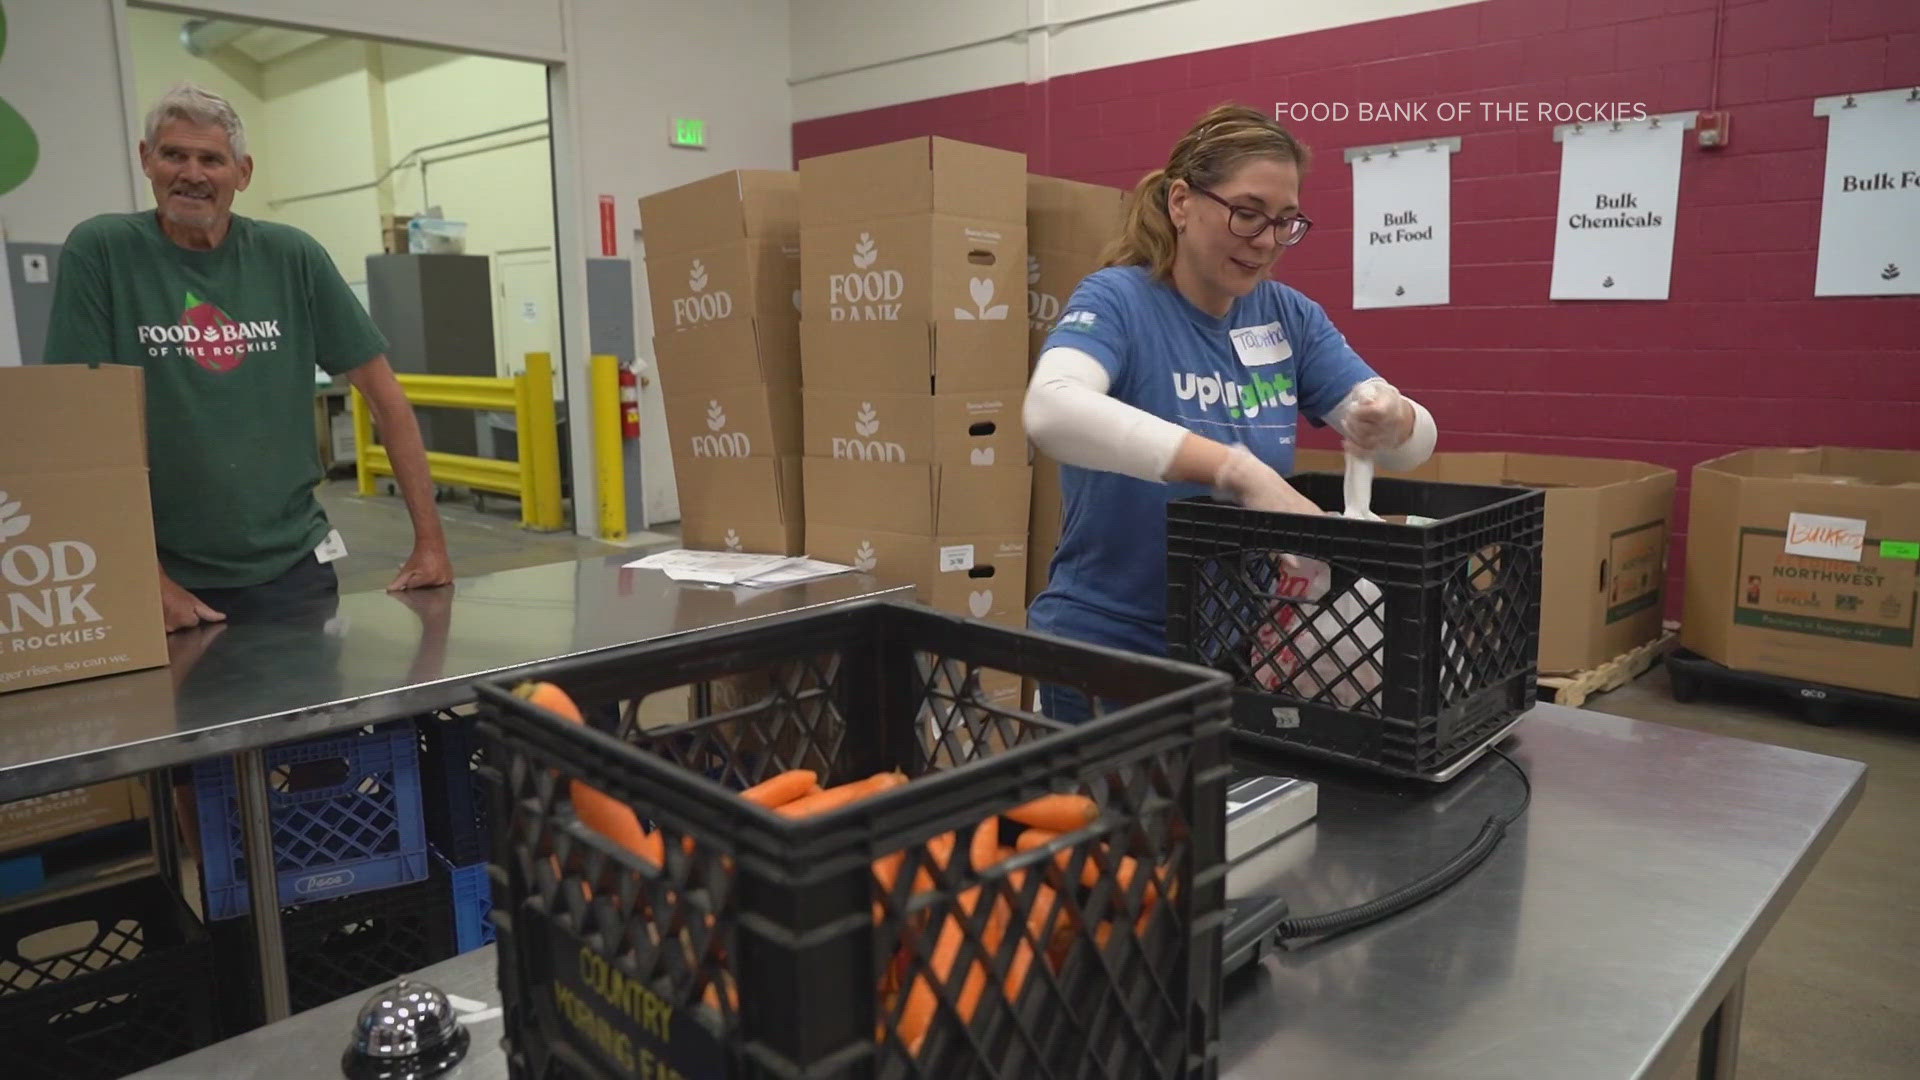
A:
x: 688, y: 133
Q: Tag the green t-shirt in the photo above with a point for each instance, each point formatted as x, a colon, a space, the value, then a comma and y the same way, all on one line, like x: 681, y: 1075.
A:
x: 228, y: 340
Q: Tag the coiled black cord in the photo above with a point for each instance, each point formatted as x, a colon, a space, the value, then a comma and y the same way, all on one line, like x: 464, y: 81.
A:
x: 1399, y: 900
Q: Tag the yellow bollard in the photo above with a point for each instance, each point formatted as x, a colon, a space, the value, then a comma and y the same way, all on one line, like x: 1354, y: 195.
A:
x: 362, y: 443
x: 529, y: 485
x: 608, y: 454
x: 542, y: 434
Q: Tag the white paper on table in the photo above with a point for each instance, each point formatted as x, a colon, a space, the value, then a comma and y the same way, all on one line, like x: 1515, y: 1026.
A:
x: 736, y: 568
x: 798, y: 571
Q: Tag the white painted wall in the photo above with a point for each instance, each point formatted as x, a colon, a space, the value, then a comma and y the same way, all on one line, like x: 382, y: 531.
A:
x: 61, y: 71
x: 524, y: 28
x: 637, y: 63
x: 320, y: 133
x: 996, y: 42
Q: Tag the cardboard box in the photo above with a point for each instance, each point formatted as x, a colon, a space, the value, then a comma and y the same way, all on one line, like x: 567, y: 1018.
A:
x: 982, y: 576
x: 1802, y: 563
x: 393, y: 233
x: 741, y: 504
x: 941, y: 357
x: 738, y: 352
x: 926, y: 175
x: 79, y: 584
x: 1604, y: 559
x: 982, y: 429
x: 744, y: 204
x: 734, y: 422
x: 1069, y: 225
x: 918, y: 500
x: 31, y: 822
x: 914, y: 268
x: 746, y: 279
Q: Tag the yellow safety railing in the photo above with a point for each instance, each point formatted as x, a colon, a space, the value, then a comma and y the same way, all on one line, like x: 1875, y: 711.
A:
x: 535, y: 477
x: 609, y: 450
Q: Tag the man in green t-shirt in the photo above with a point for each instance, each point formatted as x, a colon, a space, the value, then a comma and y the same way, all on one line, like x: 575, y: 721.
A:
x: 228, y: 316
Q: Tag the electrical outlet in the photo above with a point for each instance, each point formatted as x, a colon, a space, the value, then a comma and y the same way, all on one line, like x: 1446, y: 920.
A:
x: 34, y: 269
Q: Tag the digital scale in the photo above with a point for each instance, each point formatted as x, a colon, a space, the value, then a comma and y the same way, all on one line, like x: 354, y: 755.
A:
x: 1265, y: 815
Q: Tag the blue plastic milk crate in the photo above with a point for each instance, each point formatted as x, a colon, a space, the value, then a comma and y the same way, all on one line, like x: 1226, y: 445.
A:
x: 472, y: 905
x: 346, y: 812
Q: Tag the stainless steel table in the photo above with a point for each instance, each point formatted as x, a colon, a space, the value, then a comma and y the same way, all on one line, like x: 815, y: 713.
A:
x: 1610, y: 929
x: 238, y: 688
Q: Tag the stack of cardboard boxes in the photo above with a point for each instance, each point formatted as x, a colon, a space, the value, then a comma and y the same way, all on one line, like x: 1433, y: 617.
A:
x: 723, y: 271
x: 1069, y: 225
x: 913, y: 347
x: 79, y: 586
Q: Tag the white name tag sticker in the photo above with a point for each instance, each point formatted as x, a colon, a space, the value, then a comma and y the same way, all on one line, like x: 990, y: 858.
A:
x: 1817, y: 536
x: 1260, y: 346
x: 331, y: 548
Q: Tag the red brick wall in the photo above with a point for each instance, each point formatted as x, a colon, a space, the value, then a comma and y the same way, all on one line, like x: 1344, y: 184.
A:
x: 1741, y: 355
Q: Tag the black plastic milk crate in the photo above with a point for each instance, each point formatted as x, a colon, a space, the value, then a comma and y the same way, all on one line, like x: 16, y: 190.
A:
x: 339, y: 947
x: 767, y: 946
x: 455, y: 804
x: 1404, y: 677
x: 130, y: 985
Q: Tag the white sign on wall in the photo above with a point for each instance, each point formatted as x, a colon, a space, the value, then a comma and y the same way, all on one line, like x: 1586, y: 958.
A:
x: 1403, y: 224
x: 1870, y: 206
x: 1619, y: 190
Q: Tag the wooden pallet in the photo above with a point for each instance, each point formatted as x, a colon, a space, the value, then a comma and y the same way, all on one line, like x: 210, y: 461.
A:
x: 1574, y: 690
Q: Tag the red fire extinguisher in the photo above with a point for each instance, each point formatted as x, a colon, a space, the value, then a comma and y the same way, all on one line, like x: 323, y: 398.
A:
x: 629, y: 403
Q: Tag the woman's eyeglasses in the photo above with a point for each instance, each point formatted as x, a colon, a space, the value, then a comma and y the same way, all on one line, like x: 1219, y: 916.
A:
x: 1247, y: 223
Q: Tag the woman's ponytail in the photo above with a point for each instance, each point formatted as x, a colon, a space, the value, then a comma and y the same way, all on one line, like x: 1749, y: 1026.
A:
x: 1146, y: 239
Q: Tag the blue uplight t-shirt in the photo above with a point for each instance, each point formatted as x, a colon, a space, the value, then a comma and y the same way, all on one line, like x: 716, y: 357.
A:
x: 1244, y: 379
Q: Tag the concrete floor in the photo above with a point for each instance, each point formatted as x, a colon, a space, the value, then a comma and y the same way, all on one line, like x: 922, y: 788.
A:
x: 379, y: 537
x: 1834, y: 992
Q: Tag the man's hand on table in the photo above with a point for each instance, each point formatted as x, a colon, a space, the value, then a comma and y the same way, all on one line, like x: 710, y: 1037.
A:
x: 182, y: 609
x: 427, y: 567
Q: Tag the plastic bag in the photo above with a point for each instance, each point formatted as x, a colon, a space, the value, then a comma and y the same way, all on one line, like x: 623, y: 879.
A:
x: 436, y: 236
x: 1321, y: 650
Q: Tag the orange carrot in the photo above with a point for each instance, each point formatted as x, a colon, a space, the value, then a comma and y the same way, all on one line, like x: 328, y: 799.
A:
x: 922, y: 998
x: 846, y: 794
x: 1125, y: 867
x: 1057, y: 813
x: 940, y: 853
x: 601, y: 812
x: 985, y: 850
x: 781, y: 789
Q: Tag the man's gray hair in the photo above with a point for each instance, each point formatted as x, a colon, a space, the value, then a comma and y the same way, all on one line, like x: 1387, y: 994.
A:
x: 195, y: 105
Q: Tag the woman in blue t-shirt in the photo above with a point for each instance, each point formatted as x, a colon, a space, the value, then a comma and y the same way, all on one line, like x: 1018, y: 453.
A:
x: 1181, y: 368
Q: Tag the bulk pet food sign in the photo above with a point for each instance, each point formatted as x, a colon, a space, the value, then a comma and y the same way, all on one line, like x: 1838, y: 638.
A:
x: 1403, y: 223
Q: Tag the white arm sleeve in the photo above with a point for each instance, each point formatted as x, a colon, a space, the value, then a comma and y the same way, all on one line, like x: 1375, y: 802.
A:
x: 1072, y: 419
x: 1408, y: 455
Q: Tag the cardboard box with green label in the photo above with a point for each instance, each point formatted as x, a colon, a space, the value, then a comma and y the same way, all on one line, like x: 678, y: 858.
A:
x: 1802, y: 563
